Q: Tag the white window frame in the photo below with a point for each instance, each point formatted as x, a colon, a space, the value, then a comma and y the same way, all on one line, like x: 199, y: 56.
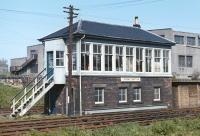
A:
x: 85, y: 52
x: 140, y: 59
x: 148, y: 55
x: 99, y: 52
x: 140, y: 91
x: 108, y: 54
x: 119, y: 55
x: 156, y: 89
x: 157, y: 57
x: 130, y: 55
x: 121, y: 93
x: 99, y: 89
x: 74, y: 53
x: 168, y: 61
x: 62, y: 59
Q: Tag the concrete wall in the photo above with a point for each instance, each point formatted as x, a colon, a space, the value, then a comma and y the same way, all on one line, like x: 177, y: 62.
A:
x: 182, y: 49
x: 40, y: 53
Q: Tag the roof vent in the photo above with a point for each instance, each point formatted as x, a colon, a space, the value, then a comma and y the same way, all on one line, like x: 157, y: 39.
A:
x: 136, y: 22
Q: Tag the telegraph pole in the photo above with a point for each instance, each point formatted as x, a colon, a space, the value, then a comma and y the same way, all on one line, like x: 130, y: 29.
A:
x: 71, y: 15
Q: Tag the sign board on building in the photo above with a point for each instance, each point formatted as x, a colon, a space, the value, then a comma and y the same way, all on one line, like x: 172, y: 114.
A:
x: 130, y: 79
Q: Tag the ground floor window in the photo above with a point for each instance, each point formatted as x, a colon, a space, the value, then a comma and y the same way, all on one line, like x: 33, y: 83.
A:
x: 137, y: 95
x: 122, y: 95
x: 156, y: 94
x: 99, y: 95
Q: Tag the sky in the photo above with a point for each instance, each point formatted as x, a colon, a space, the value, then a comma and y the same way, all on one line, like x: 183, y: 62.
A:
x: 22, y: 22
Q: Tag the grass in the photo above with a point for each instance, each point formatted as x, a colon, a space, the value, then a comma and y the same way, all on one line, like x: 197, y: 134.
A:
x: 6, y: 94
x: 176, y: 127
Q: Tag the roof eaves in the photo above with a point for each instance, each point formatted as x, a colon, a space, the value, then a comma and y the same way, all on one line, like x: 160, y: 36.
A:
x: 131, y: 40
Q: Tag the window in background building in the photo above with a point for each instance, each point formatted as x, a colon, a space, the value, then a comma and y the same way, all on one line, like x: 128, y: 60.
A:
x: 97, y: 57
x: 129, y: 59
x: 199, y: 41
x: 33, y: 53
x: 99, y: 96
x: 148, y: 58
x: 119, y: 58
x: 74, y: 58
x: 85, y: 52
x: 137, y: 95
x: 122, y: 95
x: 189, y: 61
x: 59, y: 58
x: 156, y: 94
x: 165, y: 60
x: 191, y: 41
x: 181, y: 61
x: 139, y: 59
x: 34, y: 68
x: 108, y: 58
x: 179, y: 39
x: 157, y: 57
x: 185, y: 61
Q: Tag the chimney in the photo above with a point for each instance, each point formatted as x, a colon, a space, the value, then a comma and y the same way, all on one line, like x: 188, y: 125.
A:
x: 136, y: 22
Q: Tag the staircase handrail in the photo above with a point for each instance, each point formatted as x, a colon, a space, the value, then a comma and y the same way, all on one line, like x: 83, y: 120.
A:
x: 28, y: 84
x: 33, y: 86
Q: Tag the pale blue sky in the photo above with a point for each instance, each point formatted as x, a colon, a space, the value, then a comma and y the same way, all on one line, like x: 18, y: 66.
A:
x: 18, y: 30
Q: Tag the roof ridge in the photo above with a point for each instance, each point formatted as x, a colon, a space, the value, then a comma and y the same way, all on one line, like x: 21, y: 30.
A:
x: 112, y: 24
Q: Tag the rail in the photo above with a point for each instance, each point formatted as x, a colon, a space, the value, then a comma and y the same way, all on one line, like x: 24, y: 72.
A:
x: 95, y: 121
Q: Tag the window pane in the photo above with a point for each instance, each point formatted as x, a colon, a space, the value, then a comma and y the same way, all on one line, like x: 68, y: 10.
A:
x: 123, y: 94
x: 189, y: 61
x: 179, y: 39
x: 191, y: 41
x: 181, y: 60
x: 74, y: 58
x: 148, y: 58
x: 165, y: 60
x: 157, y: 58
x: 59, y: 62
x: 119, y: 60
x: 137, y: 94
x: 85, y: 56
x: 97, y: 57
x: 156, y: 93
x: 199, y: 41
x: 139, y: 59
x: 59, y: 58
x: 99, y: 95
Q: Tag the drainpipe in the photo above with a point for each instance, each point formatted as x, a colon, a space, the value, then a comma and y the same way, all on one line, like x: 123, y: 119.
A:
x: 80, y: 75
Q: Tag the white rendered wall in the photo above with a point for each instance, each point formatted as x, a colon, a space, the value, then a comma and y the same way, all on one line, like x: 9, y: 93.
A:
x: 59, y: 71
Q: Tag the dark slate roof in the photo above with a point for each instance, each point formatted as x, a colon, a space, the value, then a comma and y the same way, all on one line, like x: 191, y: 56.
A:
x: 109, y: 31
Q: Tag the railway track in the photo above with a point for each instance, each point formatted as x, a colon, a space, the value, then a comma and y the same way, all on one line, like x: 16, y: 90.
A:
x: 7, y: 111
x: 94, y: 121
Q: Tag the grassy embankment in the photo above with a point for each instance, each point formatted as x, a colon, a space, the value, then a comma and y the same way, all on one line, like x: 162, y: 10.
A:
x: 176, y: 127
x: 7, y: 93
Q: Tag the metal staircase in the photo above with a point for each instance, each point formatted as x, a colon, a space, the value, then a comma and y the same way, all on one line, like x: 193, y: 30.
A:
x: 32, y: 92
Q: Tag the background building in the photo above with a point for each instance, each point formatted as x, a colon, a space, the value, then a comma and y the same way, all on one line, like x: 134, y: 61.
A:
x: 185, y: 54
x: 30, y: 65
x: 3, y: 66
